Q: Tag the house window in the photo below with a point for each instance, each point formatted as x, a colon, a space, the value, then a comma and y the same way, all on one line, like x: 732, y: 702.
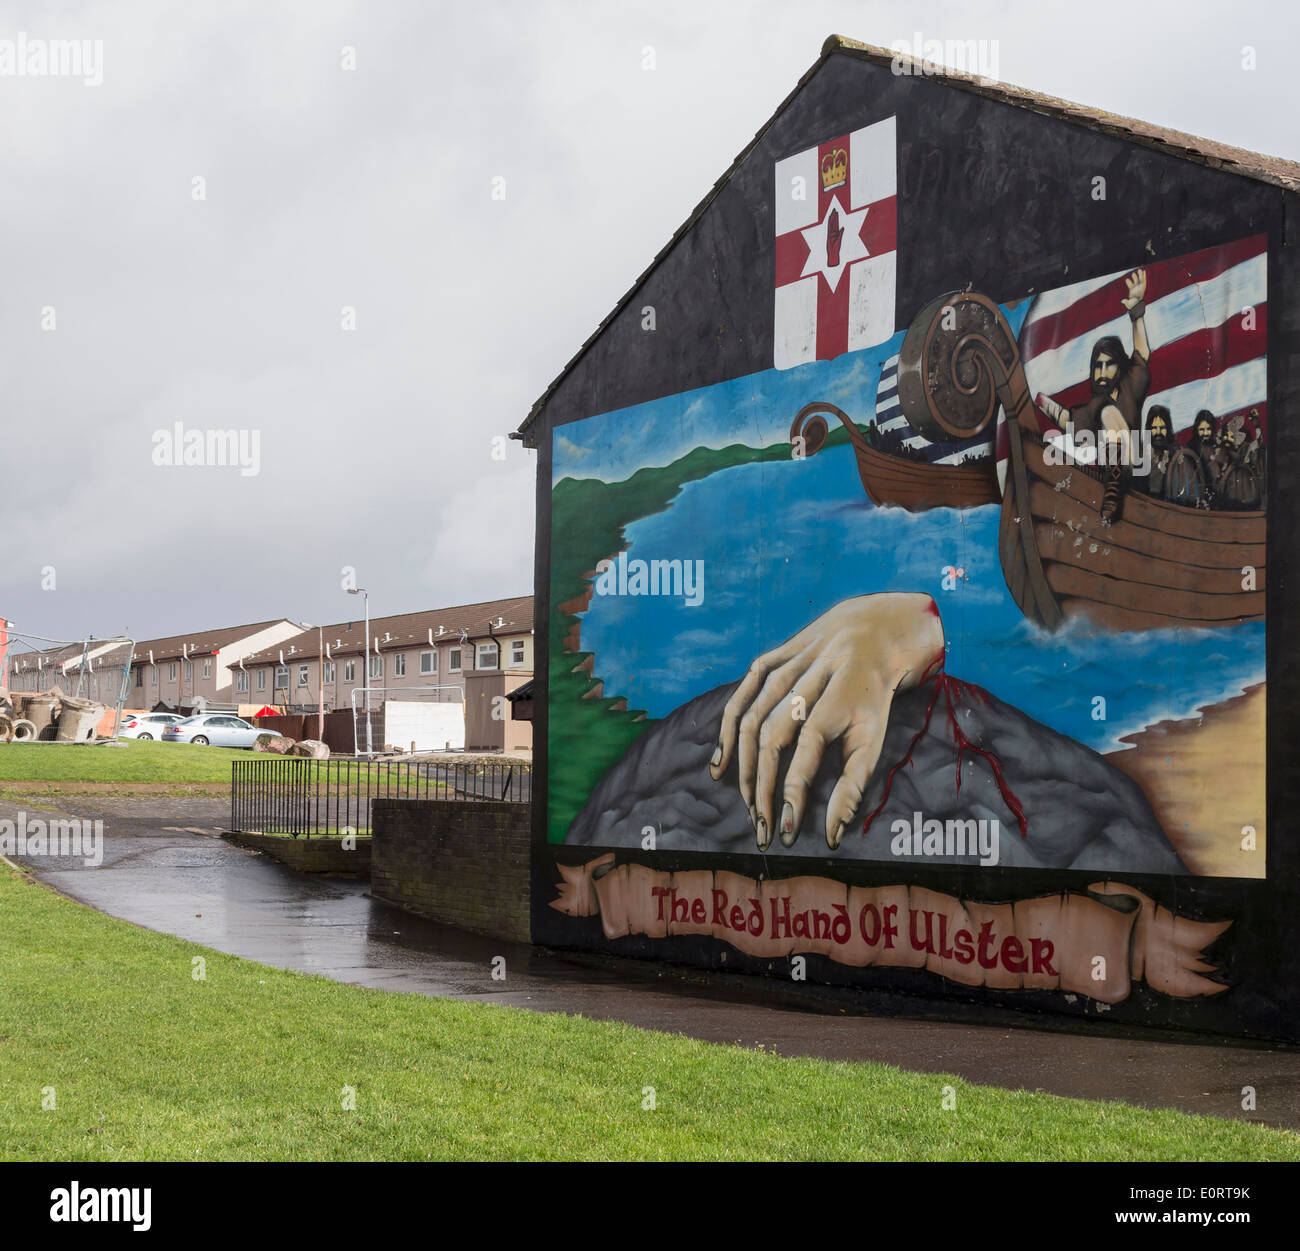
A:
x: 453, y: 660
x: 139, y: 675
x: 261, y: 679
x: 487, y: 656
x: 153, y: 674
x: 207, y: 668
x: 329, y: 672
x: 281, y: 677
x: 171, y: 672
x: 428, y: 662
x: 241, y: 680
x: 399, y: 665
x: 189, y: 671
x: 349, y: 671
x: 376, y: 666
x: 517, y: 652
x: 302, y: 675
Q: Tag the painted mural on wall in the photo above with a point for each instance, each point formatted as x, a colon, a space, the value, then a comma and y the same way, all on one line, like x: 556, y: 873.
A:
x: 987, y: 591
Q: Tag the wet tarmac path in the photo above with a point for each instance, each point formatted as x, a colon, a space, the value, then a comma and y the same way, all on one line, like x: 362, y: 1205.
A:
x: 166, y: 868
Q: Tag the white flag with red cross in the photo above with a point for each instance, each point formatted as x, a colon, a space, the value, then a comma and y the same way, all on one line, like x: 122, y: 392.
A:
x: 836, y: 241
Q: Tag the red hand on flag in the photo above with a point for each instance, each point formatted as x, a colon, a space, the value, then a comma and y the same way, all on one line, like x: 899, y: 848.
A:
x: 834, y: 236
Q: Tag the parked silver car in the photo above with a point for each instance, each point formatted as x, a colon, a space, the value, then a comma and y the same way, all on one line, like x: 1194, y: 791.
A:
x: 146, y: 725
x: 216, y: 728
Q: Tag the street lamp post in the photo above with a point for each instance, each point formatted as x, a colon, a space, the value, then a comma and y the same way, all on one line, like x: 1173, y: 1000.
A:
x: 361, y: 590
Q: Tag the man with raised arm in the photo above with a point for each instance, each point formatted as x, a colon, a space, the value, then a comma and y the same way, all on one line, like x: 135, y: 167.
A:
x: 1119, y: 383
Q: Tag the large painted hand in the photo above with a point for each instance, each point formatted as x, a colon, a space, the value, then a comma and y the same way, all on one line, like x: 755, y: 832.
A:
x: 834, y: 681
x: 1134, y: 302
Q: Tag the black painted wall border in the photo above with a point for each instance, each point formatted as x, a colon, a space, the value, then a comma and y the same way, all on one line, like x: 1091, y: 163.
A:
x: 994, y: 236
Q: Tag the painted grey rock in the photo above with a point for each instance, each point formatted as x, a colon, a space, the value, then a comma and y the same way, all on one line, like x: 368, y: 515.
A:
x: 1080, y: 812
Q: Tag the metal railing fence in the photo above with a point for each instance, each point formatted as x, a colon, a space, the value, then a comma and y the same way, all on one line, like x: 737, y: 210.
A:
x: 288, y: 795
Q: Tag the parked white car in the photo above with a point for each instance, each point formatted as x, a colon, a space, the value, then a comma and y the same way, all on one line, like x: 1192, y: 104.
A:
x: 146, y: 725
x: 217, y: 729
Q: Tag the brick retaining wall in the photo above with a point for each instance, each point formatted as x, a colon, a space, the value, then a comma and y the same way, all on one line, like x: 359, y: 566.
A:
x: 310, y: 855
x: 465, y: 864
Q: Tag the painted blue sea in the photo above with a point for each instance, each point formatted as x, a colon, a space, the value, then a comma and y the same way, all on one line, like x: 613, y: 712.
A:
x: 783, y: 541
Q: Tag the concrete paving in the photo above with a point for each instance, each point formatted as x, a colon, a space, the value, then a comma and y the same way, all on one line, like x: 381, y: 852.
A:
x: 165, y: 867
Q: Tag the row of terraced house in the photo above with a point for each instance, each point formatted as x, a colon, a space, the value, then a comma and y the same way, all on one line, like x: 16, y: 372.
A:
x: 476, y: 655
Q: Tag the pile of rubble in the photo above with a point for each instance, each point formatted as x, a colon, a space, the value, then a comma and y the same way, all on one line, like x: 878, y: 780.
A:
x: 281, y: 745
x: 47, y: 716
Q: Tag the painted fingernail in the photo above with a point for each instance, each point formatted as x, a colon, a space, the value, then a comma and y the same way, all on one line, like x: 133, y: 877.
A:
x: 787, y: 825
x: 717, y: 757
x: 764, y: 836
x: 834, y: 839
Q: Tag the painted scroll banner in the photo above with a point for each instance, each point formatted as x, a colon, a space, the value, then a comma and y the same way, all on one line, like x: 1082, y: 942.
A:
x: 1096, y: 945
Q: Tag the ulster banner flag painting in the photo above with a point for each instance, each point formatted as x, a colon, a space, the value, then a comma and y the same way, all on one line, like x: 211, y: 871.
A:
x: 836, y: 225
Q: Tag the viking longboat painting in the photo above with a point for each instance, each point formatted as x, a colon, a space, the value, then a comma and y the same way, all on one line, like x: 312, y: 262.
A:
x: 980, y: 587
x: 1187, y: 547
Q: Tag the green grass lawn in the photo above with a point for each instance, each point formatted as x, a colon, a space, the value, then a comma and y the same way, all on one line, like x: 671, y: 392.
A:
x: 134, y: 769
x: 133, y: 761
x: 144, y: 1062
x: 156, y: 768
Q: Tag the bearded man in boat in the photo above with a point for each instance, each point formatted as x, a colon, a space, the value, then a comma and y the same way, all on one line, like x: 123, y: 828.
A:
x: 1119, y: 382
x: 1161, y: 434
x: 1202, y: 445
x: 1176, y: 473
x: 1235, y: 467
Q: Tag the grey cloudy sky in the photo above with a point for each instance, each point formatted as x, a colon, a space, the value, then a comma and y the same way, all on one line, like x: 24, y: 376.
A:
x: 371, y: 188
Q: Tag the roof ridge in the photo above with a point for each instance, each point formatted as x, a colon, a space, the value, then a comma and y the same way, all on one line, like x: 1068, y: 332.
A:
x: 1213, y: 152
x: 248, y: 625
x: 1284, y: 173
x: 426, y: 617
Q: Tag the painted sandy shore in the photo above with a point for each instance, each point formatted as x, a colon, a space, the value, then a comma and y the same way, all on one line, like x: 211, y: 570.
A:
x: 1204, y: 778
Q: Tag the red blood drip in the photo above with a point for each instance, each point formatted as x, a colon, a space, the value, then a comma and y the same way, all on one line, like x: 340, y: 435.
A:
x: 953, y: 690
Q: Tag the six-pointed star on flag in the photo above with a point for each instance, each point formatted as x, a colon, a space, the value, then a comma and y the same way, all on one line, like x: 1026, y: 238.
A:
x: 817, y: 237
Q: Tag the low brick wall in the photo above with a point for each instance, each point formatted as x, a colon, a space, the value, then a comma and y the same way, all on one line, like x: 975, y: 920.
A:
x: 310, y: 855
x: 465, y: 864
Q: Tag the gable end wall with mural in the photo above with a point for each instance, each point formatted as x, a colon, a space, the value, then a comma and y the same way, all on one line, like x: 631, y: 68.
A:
x: 912, y: 576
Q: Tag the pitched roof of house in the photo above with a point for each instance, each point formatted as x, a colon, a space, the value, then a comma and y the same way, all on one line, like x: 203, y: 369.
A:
x: 348, y: 638
x: 171, y: 647
x: 1271, y: 169
x: 200, y: 642
x: 102, y: 652
x: 54, y: 656
x: 1274, y: 169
